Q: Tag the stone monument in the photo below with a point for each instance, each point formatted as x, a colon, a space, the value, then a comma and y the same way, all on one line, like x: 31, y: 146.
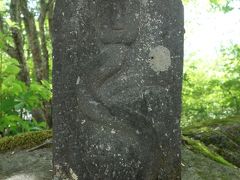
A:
x: 117, y: 75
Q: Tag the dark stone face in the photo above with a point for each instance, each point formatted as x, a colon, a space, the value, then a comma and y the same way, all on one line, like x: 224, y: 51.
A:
x: 117, y: 89
x: 117, y: 22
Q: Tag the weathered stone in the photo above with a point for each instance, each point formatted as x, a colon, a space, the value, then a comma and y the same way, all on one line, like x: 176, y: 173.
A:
x: 220, y: 136
x: 36, y: 165
x: 117, y: 86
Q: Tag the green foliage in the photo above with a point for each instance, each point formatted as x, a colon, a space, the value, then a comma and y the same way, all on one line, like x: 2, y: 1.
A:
x: 18, y: 99
x: 217, y: 5
x: 231, y: 85
x: 212, y: 92
x: 222, y: 5
x: 199, y: 95
x: 1, y: 6
x: 3, y: 38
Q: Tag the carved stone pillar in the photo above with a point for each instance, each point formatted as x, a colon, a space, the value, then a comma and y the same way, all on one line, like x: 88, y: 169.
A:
x: 117, y: 78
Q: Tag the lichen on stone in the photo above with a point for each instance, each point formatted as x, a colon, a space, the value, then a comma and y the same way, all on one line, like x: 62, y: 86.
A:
x: 73, y: 175
x: 160, y: 59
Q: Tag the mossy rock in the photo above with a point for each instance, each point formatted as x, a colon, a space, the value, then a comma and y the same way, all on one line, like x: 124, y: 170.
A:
x: 199, y: 147
x: 195, y: 166
x: 221, y: 137
x: 208, y: 125
x: 24, y: 141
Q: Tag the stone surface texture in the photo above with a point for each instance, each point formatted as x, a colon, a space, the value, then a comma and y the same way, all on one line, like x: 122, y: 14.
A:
x: 117, y: 89
x: 37, y: 165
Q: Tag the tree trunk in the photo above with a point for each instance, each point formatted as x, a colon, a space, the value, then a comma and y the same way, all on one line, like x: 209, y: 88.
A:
x: 18, y: 41
x: 41, y: 20
x: 50, y: 17
x: 16, y: 52
x: 34, y: 43
x: 11, y: 51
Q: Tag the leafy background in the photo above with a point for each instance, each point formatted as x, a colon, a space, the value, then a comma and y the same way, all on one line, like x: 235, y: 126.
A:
x: 209, y: 91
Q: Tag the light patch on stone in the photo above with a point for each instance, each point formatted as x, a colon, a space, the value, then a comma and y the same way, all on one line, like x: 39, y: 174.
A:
x: 144, y: 2
x: 94, y: 103
x: 59, y: 174
x: 160, y: 59
x: 113, y: 131
x: 83, y: 121
x: 58, y: 170
x: 78, y: 80
x: 73, y: 175
x: 108, y: 147
x: 149, y: 109
x: 22, y: 176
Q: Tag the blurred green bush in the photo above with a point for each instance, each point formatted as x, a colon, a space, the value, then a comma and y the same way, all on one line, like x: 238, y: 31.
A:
x: 211, y: 92
x: 17, y: 100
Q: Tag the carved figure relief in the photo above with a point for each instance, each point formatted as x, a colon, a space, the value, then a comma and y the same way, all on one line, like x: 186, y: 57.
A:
x: 123, y: 99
